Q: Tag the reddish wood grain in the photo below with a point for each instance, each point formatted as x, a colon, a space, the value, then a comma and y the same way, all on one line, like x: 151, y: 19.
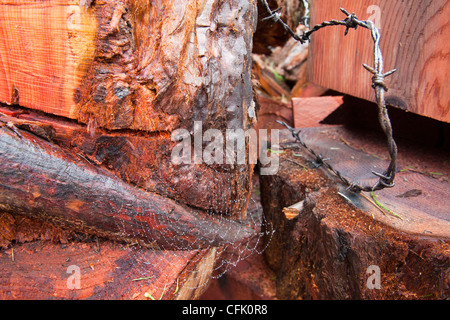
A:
x: 414, y: 40
x: 308, y: 112
x: 45, y: 48
x: 130, y: 64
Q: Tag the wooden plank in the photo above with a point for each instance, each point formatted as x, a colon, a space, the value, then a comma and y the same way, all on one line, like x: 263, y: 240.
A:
x: 419, y: 51
x: 272, y: 110
x: 308, y: 112
x: 330, y: 248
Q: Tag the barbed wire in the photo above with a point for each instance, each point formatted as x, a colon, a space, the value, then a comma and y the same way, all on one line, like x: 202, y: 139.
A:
x: 386, y: 179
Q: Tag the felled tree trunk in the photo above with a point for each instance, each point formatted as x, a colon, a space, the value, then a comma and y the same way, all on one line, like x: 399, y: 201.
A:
x: 150, y: 67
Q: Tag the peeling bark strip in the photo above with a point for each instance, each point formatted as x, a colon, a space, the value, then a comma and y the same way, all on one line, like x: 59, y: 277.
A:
x: 41, y: 180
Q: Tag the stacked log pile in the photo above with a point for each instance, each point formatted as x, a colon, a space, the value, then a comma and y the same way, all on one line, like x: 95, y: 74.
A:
x: 93, y: 95
x: 92, y: 92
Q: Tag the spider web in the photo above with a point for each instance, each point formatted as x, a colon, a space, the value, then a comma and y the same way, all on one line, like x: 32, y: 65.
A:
x: 227, y: 256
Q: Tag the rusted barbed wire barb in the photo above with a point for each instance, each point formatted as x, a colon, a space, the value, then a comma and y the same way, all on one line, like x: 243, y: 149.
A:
x: 319, y: 158
x: 351, y: 21
x: 378, y: 79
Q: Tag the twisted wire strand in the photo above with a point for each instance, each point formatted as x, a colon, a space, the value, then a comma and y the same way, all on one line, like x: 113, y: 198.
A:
x: 386, y: 179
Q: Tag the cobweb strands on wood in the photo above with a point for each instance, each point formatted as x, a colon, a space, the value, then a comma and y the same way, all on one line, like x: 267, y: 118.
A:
x: 82, y: 197
x: 386, y: 179
x: 223, y: 257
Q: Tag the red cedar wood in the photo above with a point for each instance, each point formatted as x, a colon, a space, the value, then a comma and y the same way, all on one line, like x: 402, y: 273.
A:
x: 414, y: 40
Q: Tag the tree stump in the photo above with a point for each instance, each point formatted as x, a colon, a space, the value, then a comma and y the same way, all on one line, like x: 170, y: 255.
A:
x: 330, y: 244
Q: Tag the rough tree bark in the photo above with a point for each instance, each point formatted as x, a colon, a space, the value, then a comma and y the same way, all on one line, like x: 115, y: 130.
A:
x: 40, y: 180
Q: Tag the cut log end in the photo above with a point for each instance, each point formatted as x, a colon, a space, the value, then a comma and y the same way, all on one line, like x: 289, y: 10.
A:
x: 93, y: 268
